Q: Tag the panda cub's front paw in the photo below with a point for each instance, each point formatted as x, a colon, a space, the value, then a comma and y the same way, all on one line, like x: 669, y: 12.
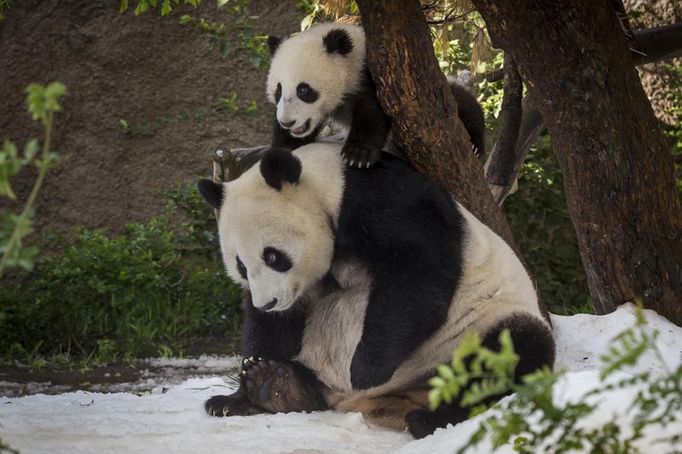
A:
x: 359, y: 155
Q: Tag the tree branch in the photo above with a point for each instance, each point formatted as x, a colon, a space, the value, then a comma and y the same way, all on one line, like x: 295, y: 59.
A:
x: 502, y: 178
x: 502, y: 158
x: 653, y: 44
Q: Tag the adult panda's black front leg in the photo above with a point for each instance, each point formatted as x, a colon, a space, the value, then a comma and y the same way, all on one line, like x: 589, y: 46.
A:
x: 274, y: 336
x: 368, y: 131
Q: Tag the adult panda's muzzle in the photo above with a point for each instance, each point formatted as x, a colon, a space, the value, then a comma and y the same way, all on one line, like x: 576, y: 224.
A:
x: 268, y: 306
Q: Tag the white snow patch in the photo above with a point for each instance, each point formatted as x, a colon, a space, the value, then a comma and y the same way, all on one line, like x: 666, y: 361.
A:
x: 172, y: 420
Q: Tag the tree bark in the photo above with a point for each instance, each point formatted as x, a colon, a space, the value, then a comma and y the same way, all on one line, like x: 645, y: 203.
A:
x: 414, y: 92
x: 618, y: 173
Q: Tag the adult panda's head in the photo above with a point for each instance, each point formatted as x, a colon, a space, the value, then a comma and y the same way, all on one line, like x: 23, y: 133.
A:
x: 276, y: 222
x: 312, y: 72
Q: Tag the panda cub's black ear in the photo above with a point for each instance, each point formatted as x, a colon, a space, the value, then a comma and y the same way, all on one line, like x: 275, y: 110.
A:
x: 211, y: 192
x: 280, y: 166
x: 273, y: 44
x: 338, y: 41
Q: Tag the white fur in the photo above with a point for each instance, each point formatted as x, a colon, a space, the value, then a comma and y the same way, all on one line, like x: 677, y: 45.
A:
x: 494, y: 285
x: 303, y: 58
x: 295, y: 220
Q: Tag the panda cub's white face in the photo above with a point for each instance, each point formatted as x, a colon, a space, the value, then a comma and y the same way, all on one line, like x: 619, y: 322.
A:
x: 275, y: 223
x: 312, y: 72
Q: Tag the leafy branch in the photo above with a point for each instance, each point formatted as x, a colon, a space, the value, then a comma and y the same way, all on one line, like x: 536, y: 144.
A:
x: 42, y: 102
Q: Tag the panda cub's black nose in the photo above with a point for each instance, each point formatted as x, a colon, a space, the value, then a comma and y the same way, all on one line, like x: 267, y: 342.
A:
x: 268, y: 306
x: 288, y: 124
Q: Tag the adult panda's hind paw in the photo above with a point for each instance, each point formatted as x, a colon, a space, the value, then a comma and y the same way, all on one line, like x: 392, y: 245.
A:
x: 359, y: 155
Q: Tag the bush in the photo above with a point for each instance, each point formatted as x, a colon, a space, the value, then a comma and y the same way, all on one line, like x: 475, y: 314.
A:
x: 149, y: 290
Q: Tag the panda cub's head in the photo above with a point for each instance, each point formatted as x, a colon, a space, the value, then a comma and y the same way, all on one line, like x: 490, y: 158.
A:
x: 276, y: 223
x: 312, y: 72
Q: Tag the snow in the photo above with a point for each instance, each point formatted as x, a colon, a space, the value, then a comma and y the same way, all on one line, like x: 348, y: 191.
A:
x: 171, y: 419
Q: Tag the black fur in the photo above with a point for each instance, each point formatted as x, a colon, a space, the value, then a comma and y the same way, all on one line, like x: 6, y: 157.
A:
x: 533, y: 342
x: 369, y: 125
x: 273, y: 44
x: 338, y: 41
x: 408, y: 232
x: 471, y: 115
x: 280, y: 166
x: 211, y: 192
x: 306, y: 93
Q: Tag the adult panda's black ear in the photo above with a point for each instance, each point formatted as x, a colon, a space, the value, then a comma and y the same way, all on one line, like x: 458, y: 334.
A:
x: 212, y: 192
x: 338, y: 41
x: 280, y: 166
x: 273, y: 44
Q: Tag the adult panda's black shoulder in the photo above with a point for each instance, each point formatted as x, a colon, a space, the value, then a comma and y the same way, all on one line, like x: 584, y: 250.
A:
x: 320, y: 75
x: 359, y: 284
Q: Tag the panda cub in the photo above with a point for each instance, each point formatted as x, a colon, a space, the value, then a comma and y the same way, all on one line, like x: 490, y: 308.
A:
x: 359, y: 283
x: 320, y: 76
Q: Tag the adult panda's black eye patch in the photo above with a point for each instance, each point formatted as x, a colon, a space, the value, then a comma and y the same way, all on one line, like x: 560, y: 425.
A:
x: 278, y: 93
x: 241, y: 268
x: 306, y: 93
x: 276, y: 259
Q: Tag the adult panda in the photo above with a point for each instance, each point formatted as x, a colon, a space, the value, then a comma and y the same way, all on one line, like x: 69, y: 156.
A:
x: 359, y: 283
x: 320, y: 76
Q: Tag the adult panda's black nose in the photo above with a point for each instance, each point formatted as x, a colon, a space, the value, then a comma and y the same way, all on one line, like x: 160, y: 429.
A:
x: 287, y: 124
x: 268, y: 306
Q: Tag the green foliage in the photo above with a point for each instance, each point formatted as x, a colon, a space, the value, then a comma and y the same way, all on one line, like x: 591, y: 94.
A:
x: 475, y: 373
x: 142, y: 6
x: 533, y: 422
x: 150, y: 290
x: 544, y: 232
x: 229, y: 104
x: 42, y: 103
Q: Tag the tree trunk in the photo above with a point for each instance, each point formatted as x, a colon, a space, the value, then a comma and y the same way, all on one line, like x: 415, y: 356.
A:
x: 415, y: 93
x: 618, y: 173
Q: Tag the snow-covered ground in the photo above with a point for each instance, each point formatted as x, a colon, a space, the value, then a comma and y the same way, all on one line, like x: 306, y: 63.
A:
x: 170, y: 419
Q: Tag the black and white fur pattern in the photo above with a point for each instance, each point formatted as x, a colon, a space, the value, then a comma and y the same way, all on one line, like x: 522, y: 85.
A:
x: 387, y: 274
x: 320, y: 76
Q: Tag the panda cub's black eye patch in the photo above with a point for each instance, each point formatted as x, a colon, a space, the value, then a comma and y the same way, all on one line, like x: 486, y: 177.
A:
x: 276, y: 259
x: 241, y: 268
x: 306, y: 93
x: 278, y: 92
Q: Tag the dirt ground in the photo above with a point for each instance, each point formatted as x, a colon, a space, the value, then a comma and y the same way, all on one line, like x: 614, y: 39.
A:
x: 160, y: 77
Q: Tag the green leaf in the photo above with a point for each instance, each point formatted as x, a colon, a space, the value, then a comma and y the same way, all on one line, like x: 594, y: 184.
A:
x: 185, y: 19
x: 123, y: 6
x: 30, y: 150
x: 166, y: 8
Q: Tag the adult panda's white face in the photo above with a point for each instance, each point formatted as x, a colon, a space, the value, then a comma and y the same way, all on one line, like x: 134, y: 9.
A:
x: 311, y: 72
x: 275, y: 229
